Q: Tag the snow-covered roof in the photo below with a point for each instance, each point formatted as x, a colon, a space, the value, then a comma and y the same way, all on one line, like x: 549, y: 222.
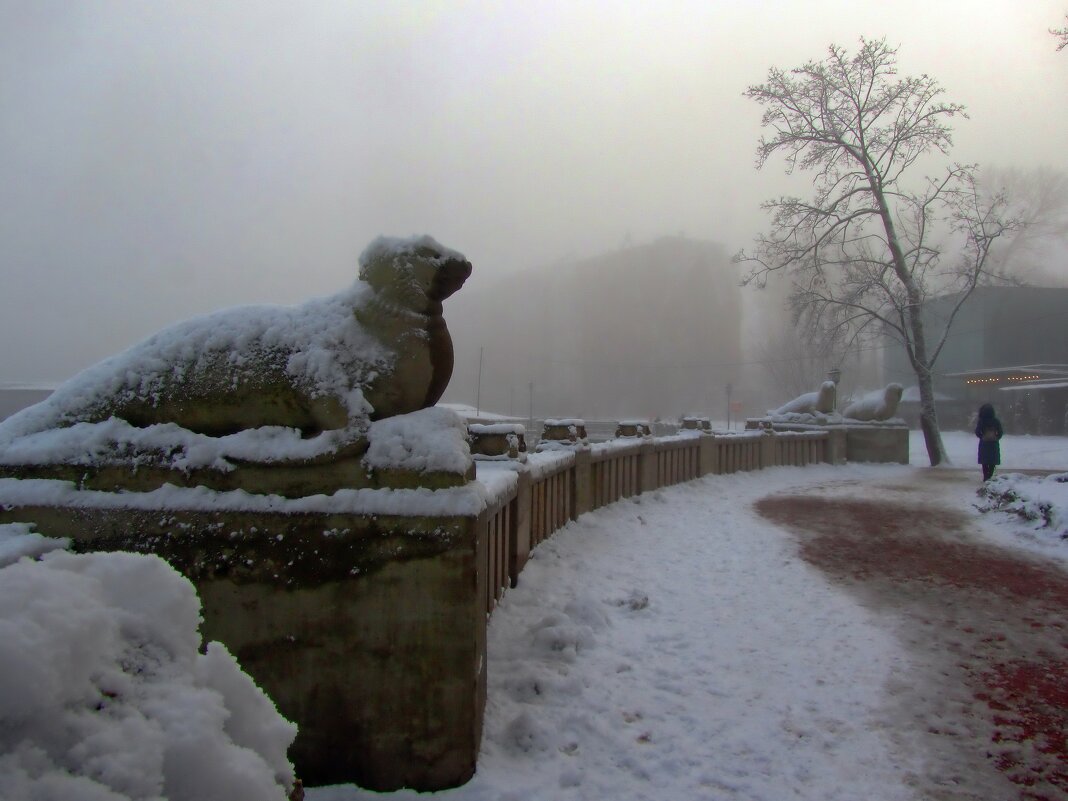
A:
x: 1053, y: 369
x: 912, y: 395
x: 1034, y: 386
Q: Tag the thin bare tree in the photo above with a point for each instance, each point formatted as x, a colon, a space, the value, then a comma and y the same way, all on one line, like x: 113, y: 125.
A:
x: 1038, y: 201
x: 1062, y: 34
x: 874, y: 243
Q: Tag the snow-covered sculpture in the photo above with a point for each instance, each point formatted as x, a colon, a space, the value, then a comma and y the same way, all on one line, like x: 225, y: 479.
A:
x: 497, y: 441
x: 562, y: 434
x: 819, y: 402
x: 880, y: 405
x: 627, y: 429
x: 258, y: 388
x: 377, y: 349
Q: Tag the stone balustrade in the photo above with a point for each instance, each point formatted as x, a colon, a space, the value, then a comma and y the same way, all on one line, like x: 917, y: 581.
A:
x: 364, y: 620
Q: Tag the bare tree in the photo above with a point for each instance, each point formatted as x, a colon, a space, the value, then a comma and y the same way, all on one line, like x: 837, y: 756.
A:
x: 869, y: 249
x: 1062, y: 34
x: 1038, y: 201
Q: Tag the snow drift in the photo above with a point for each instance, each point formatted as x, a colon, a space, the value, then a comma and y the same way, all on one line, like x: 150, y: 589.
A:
x: 106, y: 697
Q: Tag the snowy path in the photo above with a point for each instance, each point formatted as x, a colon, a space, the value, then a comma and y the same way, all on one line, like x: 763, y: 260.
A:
x: 675, y: 647
x: 985, y: 627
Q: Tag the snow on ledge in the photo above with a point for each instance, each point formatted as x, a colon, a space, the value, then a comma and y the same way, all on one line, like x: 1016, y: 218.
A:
x: 114, y: 440
x: 468, y: 500
x: 496, y: 428
x: 633, y: 444
x: 545, y: 463
x: 433, y: 439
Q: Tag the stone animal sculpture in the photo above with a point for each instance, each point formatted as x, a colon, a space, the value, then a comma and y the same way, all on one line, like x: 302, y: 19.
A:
x: 377, y: 349
x: 877, y: 405
x: 819, y: 402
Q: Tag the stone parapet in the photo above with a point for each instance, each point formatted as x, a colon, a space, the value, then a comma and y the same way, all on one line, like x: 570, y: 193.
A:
x: 582, y: 487
x: 497, y: 441
x: 366, y: 630
x: 876, y: 442
x: 363, y: 614
x: 883, y: 444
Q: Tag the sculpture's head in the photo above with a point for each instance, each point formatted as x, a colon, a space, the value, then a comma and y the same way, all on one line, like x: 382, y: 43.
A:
x: 825, y: 397
x: 415, y: 274
x: 891, y: 400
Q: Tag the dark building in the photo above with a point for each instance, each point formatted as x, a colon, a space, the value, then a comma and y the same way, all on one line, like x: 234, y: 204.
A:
x: 1008, y: 346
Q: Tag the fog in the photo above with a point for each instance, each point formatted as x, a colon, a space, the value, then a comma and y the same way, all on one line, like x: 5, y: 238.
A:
x: 165, y: 159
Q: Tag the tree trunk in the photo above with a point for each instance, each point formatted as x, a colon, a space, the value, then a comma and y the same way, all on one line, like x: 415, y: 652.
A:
x: 932, y: 436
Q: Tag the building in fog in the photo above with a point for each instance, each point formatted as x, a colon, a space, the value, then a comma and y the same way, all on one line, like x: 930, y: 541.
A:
x: 650, y: 331
x: 1008, y: 346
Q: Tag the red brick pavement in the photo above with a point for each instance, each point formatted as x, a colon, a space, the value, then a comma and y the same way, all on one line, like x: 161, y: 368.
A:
x: 996, y: 620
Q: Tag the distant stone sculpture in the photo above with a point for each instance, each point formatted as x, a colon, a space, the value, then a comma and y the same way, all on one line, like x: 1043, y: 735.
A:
x: 626, y: 429
x: 562, y: 434
x: 819, y: 402
x: 377, y: 349
x: 876, y: 406
x: 699, y: 424
x: 497, y: 441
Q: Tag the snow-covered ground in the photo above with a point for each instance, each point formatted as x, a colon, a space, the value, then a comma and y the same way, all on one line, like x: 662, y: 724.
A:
x: 105, y: 695
x: 1017, y: 451
x: 674, y: 646
x: 671, y: 646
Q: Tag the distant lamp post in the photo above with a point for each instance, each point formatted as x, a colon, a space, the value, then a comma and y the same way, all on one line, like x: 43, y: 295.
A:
x: 835, y: 375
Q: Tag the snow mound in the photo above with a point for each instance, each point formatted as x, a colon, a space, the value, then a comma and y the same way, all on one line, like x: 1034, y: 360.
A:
x: 429, y: 440
x: 106, y: 697
x: 1042, y: 501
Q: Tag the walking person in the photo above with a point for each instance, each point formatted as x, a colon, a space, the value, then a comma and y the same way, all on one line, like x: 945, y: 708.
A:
x: 988, y: 429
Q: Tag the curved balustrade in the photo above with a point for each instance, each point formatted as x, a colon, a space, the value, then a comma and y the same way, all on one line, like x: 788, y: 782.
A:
x: 556, y: 487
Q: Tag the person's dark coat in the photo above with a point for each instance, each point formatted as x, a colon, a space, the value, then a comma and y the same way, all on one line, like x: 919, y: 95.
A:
x: 989, y: 431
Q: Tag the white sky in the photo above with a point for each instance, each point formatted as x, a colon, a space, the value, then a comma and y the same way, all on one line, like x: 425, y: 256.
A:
x: 165, y: 159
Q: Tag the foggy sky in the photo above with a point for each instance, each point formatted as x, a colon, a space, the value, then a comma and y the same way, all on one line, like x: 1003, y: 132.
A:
x: 165, y: 159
